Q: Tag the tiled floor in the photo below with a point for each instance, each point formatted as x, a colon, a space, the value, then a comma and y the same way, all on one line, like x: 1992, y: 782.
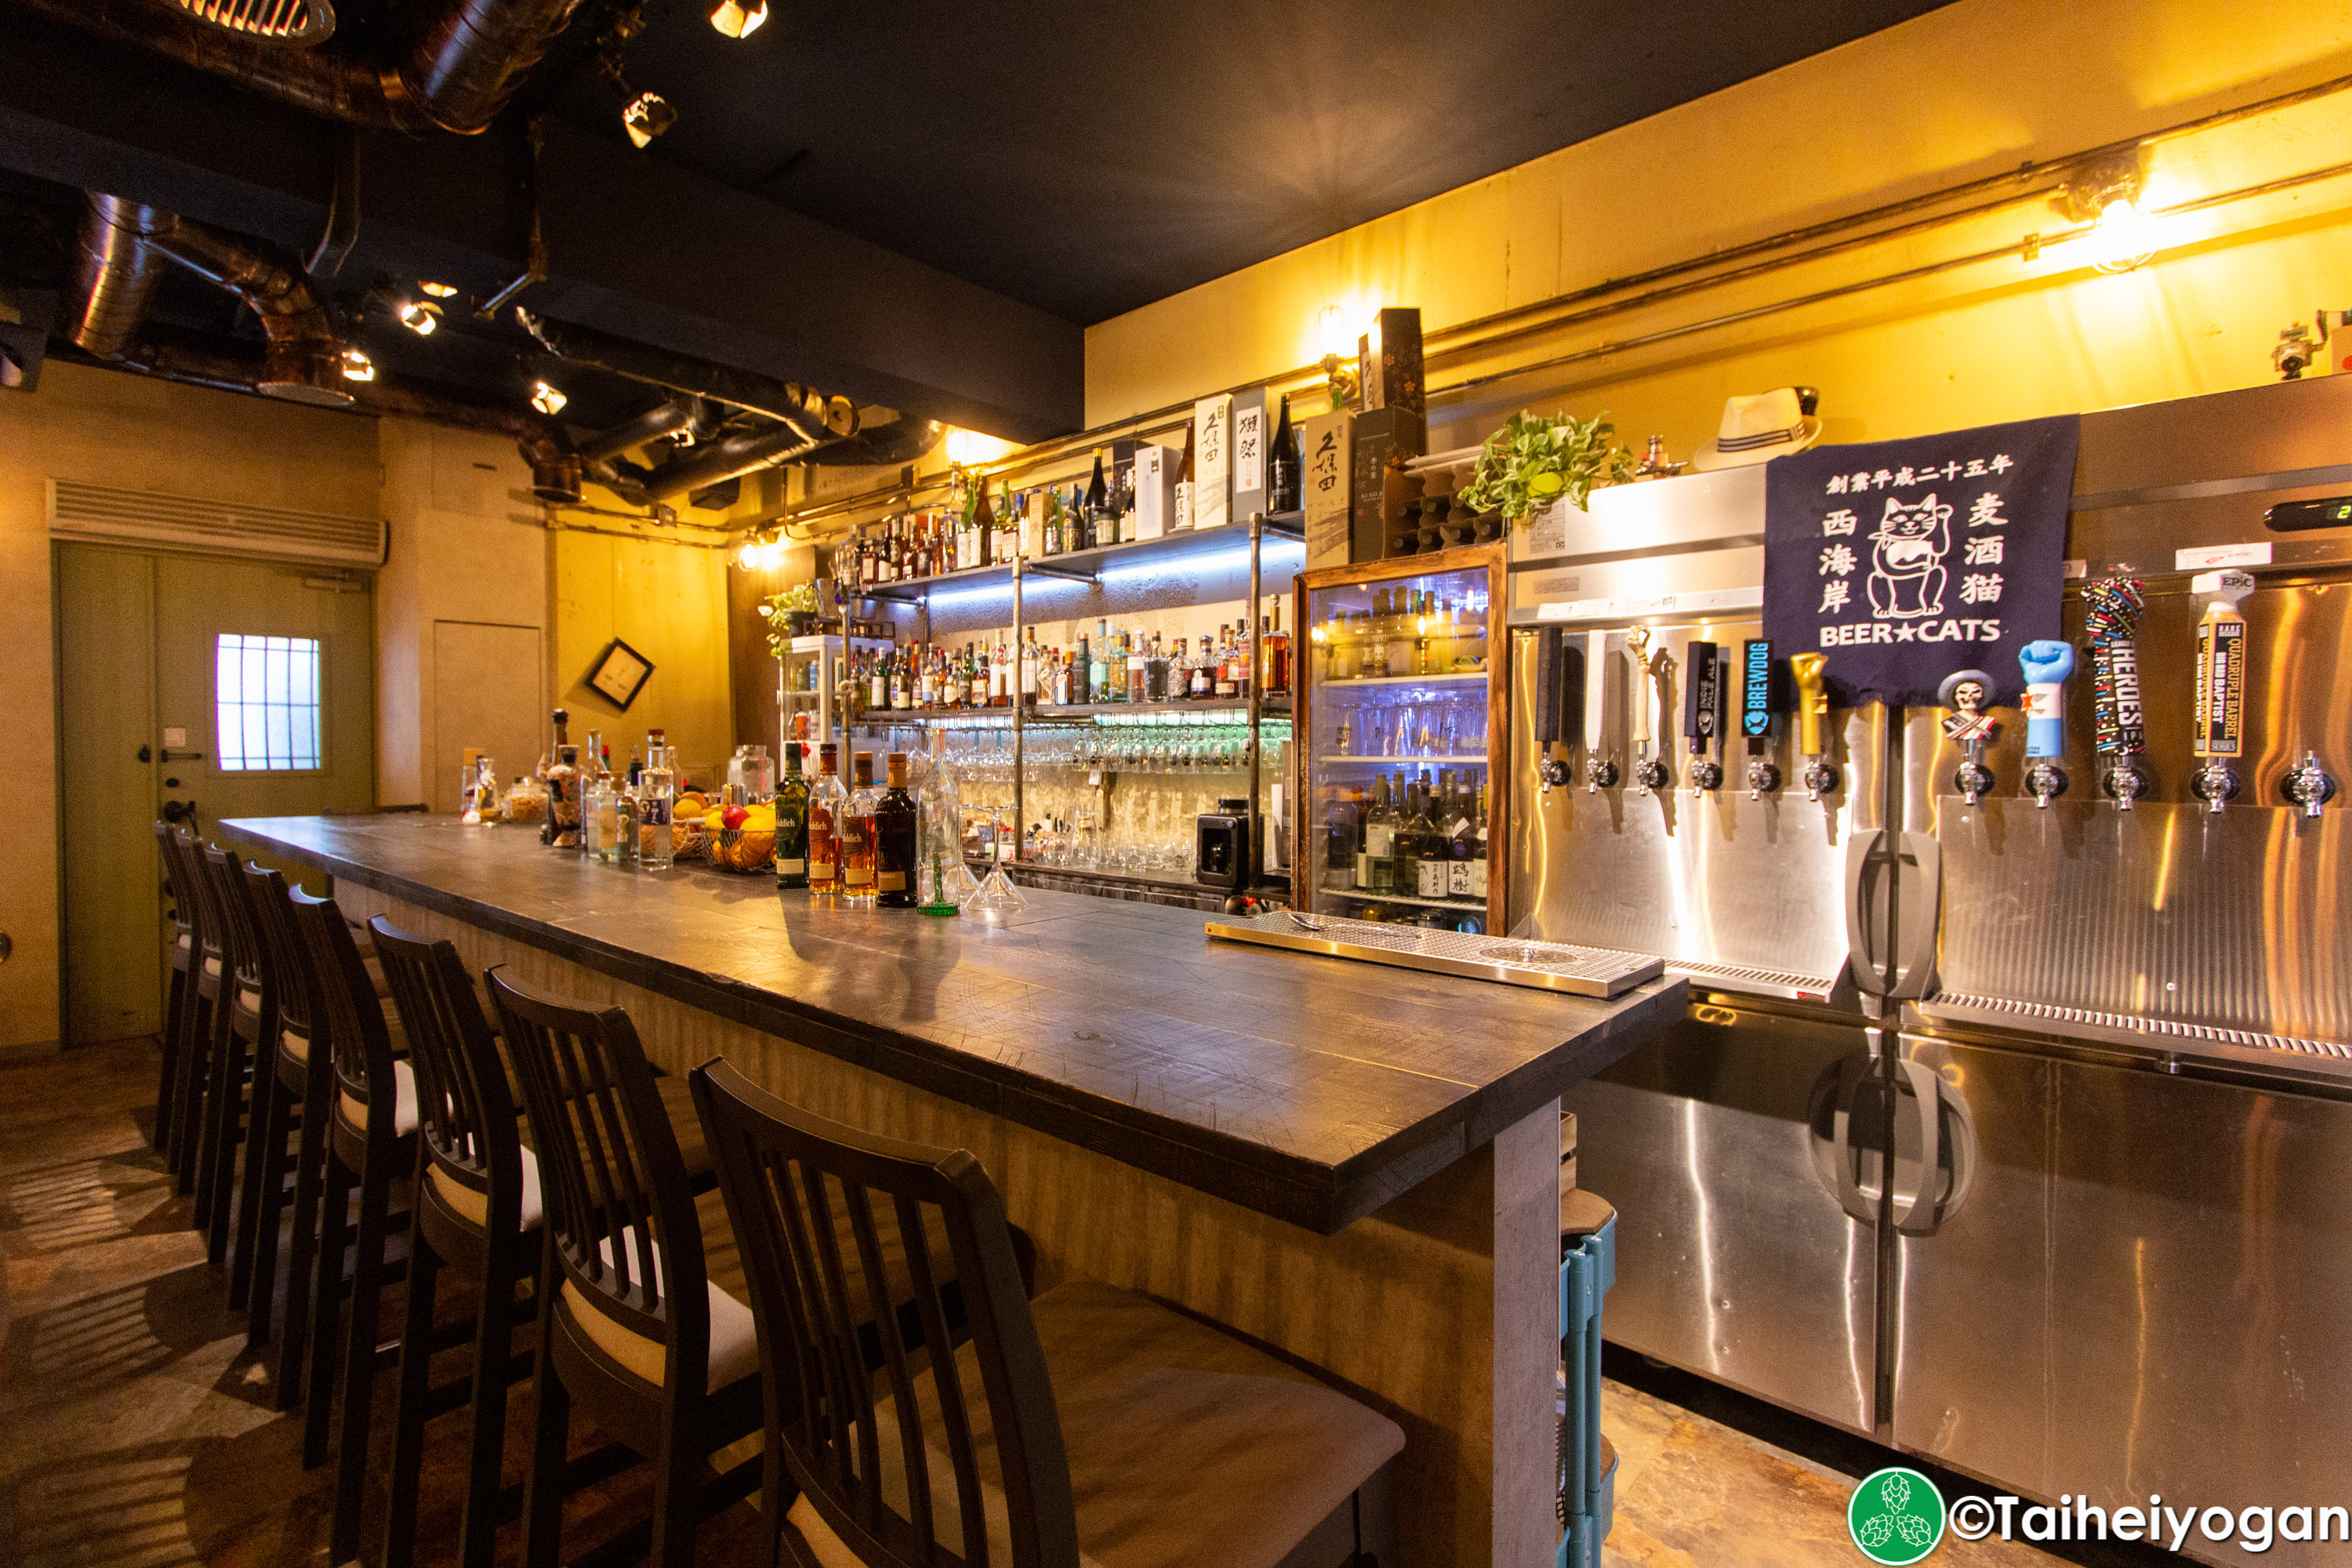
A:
x: 135, y: 1431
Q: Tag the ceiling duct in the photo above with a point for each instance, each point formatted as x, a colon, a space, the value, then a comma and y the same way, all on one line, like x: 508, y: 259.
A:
x: 115, y: 274
x: 767, y: 448
x: 678, y: 372
x: 461, y: 64
x: 306, y: 22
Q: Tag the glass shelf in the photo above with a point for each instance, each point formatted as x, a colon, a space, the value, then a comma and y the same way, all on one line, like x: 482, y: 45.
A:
x: 1410, y: 761
x: 1479, y: 676
x: 1467, y: 906
x: 1086, y: 565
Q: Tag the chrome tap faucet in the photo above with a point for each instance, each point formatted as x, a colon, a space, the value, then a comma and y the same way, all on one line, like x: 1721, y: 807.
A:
x: 2311, y: 786
x: 2215, y: 783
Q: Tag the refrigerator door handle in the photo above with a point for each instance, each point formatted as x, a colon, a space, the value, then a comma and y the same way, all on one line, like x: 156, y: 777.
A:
x: 1927, y: 1104
x: 1849, y: 1195
x: 1877, y: 859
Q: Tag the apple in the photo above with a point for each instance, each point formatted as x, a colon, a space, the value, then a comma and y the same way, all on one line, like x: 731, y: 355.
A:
x: 734, y: 816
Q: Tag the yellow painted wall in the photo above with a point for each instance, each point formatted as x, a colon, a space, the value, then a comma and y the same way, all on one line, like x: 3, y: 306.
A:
x: 1964, y: 93
x: 108, y: 427
x: 670, y: 603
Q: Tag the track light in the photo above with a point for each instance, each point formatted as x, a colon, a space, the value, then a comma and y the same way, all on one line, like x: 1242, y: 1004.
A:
x: 357, y: 366
x: 738, y: 19
x: 440, y: 291
x: 647, y: 116
x: 547, y: 397
x: 419, y: 317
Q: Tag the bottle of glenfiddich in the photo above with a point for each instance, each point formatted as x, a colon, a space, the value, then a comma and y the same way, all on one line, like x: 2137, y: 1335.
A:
x: 828, y: 804
x: 793, y: 822
x: 561, y: 830
x: 855, y: 827
x: 894, y: 841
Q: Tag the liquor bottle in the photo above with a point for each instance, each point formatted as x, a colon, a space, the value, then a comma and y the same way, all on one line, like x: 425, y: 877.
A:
x: 1285, y: 465
x: 1102, y: 527
x: 1478, y: 847
x: 1274, y: 678
x: 1031, y: 664
x: 1226, y: 688
x: 656, y: 789
x: 856, y: 833
x: 1433, y: 849
x: 902, y: 690
x: 1138, y: 671
x: 1118, y: 676
x: 793, y: 823
x: 1461, y: 837
x: 600, y: 818
x: 1098, y: 667
x: 828, y: 804
x: 561, y: 828
x: 894, y: 840
x: 1199, y: 684
x: 1375, y: 868
x: 1053, y: 521
x: 636, y: 768
x: 1180, y: 506
x: 1081, y: 671
x: 1155, y: 672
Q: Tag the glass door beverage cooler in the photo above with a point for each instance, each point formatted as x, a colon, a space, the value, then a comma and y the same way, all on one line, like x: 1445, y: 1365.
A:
x: 1400, y: 708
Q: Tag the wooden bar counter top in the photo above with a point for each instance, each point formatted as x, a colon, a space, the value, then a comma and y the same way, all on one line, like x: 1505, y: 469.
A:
x: 1354, y: 1165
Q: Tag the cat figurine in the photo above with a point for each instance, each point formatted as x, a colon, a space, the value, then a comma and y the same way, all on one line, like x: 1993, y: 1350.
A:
x: 1907, y: 559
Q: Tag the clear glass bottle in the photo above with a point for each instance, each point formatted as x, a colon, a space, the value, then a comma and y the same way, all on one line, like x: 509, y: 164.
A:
x: 561, y: 828
x: 943, y: 883
x: 793, y: 823
x: 599, y: 820
x: 656, y: 789
x: 856, y: 829
x: 828, y: 804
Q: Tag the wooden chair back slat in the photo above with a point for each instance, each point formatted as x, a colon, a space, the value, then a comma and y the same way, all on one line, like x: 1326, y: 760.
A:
x: 285, y: 958
x: 464, y: 1109
x: 612, y: 1180
x: 240, y: 949
x: 795, y: 1182
x: 195, y: 889
x: 358, y: 1044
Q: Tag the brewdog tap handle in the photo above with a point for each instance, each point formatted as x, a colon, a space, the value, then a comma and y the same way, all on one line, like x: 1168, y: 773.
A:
x: 2045, y: 664
x: 1812, y: 723
x: 1759, y: 700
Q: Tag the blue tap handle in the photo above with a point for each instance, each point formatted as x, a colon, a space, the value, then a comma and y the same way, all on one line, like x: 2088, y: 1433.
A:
x: 2046, y: 665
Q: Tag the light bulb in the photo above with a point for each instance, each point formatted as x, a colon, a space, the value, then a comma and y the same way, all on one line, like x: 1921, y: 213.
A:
x: 739, y: 19
x: 440, y: 291
x: 647, y: 116
x: 357, y: 366
x: 2124, y: 236
x: 547, y: 398
x: 1331, y: 332
x: 419, y: 317
x: 748, y: 557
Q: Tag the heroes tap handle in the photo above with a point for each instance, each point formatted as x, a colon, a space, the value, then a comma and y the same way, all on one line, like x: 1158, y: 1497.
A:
x: 1813, y: 701
x: 2046, y: 665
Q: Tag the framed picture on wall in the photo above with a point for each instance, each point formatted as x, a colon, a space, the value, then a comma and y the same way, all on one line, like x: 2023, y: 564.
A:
x: 621, y: 674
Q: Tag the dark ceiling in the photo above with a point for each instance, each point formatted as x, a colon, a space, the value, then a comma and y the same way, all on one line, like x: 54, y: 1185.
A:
x: 918, y: 207
x: 1090, y: 158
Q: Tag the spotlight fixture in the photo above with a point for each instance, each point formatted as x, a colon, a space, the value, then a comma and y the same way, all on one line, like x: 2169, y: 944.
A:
x: 547, y: 397
x: 419, y: 317
x: 647, y: 117
x: 738, y: 19
x: 440, y: 291
x: 357, y: 366
x: 2106, y: 194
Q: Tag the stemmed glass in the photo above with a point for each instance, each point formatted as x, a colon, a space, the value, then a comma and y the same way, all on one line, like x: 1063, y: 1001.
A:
x: 998, y: 897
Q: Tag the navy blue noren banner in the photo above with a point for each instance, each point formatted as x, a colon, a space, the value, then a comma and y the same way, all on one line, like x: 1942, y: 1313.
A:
x: 1901, y: 562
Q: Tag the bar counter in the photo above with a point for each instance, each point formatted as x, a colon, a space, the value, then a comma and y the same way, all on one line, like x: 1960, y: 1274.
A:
x: 1355, y: 1165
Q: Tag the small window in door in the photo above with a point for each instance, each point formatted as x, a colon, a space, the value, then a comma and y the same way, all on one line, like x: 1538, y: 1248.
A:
x: 266, y: 704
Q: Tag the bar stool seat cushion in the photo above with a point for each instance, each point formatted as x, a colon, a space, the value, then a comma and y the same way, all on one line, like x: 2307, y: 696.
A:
x: 212, y: 967
x: 476, y: 1206
x: 1186, y: 1446
x: 185, y: 939
x: 298, y: 1043
x: 404, y: 1104
x: 734, y: 1339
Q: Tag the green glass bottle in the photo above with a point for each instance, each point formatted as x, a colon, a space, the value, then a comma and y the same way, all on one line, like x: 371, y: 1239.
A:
x: 793, y: 822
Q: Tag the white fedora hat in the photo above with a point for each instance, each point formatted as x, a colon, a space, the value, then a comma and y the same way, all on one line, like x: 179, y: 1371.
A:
x: 1758, y: 430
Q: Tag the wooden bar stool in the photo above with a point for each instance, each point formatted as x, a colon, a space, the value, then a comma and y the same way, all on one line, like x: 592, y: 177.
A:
x: 368, y: 1102
x: 272, y: 1173
x: 246, y: 1016
x: 183, y: 945
x: 630, y: 1324
x: 1092, y: 1426
x: 196, y: 1016
x: 477, y: 1210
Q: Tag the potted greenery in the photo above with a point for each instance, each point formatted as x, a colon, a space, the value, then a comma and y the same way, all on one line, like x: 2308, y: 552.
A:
x: 790, y: 614
x: 1534, y: 460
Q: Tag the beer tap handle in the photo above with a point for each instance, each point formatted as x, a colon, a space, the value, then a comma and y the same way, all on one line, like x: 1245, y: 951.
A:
x: 2112, y: 607
x: 1703, y: 712
x: 2220, y: 684
x: 1649, y: 773
x: 2046, y: 664
x: 1971, y: 727
x: 1760, y: 698
x: 1808, y: 669
x: 1600, y: 769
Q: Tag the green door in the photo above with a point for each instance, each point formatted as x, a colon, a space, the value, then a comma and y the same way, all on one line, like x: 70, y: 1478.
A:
x: 200, y: 687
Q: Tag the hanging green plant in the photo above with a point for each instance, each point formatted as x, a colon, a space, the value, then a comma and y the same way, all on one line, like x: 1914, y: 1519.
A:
x: 1534, y: 459
x: 779, y: 609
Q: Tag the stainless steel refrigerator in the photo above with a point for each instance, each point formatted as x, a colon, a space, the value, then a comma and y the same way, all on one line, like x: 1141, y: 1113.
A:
x: 2013, y: 1134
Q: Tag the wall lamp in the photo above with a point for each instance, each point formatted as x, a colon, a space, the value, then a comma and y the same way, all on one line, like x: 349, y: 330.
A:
x: 2106, y: 194
x: 739, y: 19
x: 1338, y: 346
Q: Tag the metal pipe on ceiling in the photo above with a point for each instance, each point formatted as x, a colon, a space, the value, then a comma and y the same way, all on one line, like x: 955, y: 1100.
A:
x: 679, y: 373
x: 116, y: 272
x: 738, y: 454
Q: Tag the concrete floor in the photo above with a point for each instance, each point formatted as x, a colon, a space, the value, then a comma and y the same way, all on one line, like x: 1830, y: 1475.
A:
x: 136, y: 1432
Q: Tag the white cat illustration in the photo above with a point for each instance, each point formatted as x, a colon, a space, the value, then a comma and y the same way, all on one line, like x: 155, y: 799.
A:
x: 1907, y: 559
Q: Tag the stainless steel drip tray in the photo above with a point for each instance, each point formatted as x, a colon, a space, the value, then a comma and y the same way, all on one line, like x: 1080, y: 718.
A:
x: 1542, y: 965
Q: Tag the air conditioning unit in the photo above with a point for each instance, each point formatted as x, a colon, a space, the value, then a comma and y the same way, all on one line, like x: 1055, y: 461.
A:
x: 103, y: 514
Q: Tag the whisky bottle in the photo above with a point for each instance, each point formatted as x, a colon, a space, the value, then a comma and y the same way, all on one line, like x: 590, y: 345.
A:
x: 894, y: 841
x: 793, y: 823
x: 561, y: 828
x: 828, y: 804
x: 856, y: 831
x: 1375, y: 862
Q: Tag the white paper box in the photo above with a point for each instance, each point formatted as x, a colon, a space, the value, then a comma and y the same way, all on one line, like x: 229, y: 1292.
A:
x: 1212, y: 460
x: 1155, y: 489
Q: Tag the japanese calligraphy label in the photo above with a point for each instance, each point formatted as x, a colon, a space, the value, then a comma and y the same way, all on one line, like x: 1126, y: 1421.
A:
x: 1904, y: 561
x: 1212, y: 459
x: 1330, y: 461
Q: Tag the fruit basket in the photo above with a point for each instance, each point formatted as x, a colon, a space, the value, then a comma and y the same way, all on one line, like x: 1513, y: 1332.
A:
x: 741, y: 838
